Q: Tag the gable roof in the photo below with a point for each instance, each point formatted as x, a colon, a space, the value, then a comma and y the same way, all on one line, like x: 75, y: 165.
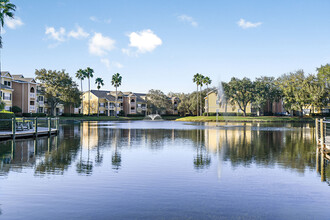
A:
x: 103, y: 94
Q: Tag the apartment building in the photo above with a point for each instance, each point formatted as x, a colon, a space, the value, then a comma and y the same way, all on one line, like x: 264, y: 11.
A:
x: 42, y: 103
x: 6, y: 90
x: 25, y: 95
x: 104, y: 102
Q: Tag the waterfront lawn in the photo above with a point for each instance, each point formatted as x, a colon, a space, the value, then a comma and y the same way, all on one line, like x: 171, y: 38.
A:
x: 246, y: 119
x: 111, y: 118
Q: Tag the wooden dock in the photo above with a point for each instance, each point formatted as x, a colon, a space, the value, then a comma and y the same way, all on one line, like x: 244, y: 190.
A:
x: 29, y: 127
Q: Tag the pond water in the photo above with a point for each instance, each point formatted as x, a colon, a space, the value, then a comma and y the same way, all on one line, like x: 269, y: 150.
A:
x: 165, y: 170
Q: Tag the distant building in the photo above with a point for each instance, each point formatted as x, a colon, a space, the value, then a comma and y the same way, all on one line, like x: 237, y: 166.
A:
x: 25, y: 95
x: 6, y: 90
x: 42, y: 103
x: 105, y: 102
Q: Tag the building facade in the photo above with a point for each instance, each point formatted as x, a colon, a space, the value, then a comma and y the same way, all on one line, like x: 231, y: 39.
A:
x: 6, y: 90
x: 104, y: 102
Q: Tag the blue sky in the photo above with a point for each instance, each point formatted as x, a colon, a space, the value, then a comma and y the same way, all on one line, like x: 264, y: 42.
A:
x: 162, y: 44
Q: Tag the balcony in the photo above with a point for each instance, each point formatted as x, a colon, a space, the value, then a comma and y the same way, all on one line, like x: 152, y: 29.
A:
x: 111, y: 107
x: 41, y: 103
x: 32, y: 95
x: 32, y: 108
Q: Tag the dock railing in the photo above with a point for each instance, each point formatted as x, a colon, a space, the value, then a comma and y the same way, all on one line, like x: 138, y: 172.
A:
x: 322, y: 134
x: 28, y: 126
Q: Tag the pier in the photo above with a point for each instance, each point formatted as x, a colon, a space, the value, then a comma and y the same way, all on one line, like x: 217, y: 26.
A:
x: 28, y: 127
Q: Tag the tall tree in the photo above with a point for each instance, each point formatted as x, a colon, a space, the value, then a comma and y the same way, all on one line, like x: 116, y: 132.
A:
x: 240, y: 92
x: 99, y: 82
x: 58, y: 87
x: 201, y: 83
x: 89, y: 74
x: 158, y: 102
x: 196, y: 79
x: 265, y: 91
x: 323, y: 73
x: 207, y: 81
x: 116, y: 82
x: 80, y: 74
x: 6, y: 11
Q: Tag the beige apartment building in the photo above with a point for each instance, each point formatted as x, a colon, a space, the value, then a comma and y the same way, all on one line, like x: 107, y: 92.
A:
x: 6, y: 90
x: 105, y: 102
x: 25, y: 95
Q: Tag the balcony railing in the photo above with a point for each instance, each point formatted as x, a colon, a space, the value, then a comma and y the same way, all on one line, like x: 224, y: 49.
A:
x: 32, y: 95
x: 32, y: 108
x: 41, y: 103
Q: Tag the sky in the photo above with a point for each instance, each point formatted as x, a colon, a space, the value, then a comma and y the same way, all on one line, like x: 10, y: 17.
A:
x: 161, y: 44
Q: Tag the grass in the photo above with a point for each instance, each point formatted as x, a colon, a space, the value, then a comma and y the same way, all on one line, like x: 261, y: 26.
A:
x: 246, y: 119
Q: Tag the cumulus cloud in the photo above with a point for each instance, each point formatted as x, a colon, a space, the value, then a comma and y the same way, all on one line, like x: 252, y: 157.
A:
x: 109, y: 64
x: 144, y: 41
x: 56, y: 35
x: 246, y: 24
x: 99, y: 45
x: 78, y: 34
x: 13, y: 23
x: 188, y: 19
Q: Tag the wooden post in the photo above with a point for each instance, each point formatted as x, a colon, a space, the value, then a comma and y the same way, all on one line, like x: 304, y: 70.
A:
x: 36, y: 127
x: 322, y: 135
x: 49, y: 125
x: 13, y: 127
x: 317, y: 131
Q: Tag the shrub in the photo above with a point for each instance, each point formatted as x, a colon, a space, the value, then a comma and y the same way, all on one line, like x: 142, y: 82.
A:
x: 211, y: 114
x: 121, y: 113
x: 135, y: 115
x: 16, y: 109
x: 34, y: 115
x: 6, y: 124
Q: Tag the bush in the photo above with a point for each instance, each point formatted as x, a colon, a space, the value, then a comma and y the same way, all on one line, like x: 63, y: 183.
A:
x: 320, y: 114
x: 16, y: 109
x: 121, y: 113
x: 211, y: 114
x: 34, y: 115
x: 170, y: 115
x: 135, y: 115
x: 6, y: 124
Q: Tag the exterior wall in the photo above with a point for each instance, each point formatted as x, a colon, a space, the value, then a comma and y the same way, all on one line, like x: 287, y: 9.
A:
x: 23, y: 97
x: 211, y: 101
x: 7, y: 98
x: 141, y: 108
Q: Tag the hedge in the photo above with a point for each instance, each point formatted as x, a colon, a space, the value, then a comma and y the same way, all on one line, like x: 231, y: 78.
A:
x: 135, y: 115
x: 72, y: 115
x: 34, y: 115
x: 6, y: 125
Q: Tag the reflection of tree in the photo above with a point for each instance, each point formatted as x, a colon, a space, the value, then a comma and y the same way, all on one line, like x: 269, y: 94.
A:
x: 116, y: 161
x: 202, y: 160
x: 85, y: 167
x: 58, y: 160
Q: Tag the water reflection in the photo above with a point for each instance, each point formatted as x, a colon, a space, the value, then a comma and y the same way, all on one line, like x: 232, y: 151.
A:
x: 289, y: 146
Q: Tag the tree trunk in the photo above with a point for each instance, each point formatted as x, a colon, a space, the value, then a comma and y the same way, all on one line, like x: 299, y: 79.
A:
x: 207, y: 102
x: 116, y: 103
x: 244, y: 112
x: 89, y: 96
x: 197, y: 101
x: 98, y: 105
x: 82, y: 100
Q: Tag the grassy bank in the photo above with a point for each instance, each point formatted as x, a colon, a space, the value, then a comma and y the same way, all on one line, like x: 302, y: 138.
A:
x: 246, y: 119
x: 110, y: 118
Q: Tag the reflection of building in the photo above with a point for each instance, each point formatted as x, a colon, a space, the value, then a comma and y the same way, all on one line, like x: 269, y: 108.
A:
x: 105, y: 102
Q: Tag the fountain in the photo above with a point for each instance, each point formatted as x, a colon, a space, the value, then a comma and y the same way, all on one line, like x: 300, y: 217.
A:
x: 153, y: 117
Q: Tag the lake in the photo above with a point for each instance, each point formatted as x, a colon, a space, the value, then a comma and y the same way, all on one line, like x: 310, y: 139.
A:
x: 166, y: 170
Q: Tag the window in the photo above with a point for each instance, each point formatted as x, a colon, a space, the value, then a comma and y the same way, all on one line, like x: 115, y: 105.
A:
x: 41, y: 110
x: 7, y: 108
x: 139, y: 105
x: 6, y: 96
x: 132, y: 108
x: 7, y: 83
x: 31, y: 102
x: 32, y: 90
x: 40, y: 98
x: 132, y: 100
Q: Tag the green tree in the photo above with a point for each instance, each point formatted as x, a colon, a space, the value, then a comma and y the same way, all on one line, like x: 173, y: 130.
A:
x: 265, y: 91
x: 294, y: 90
x: 196, y: 79
x: 6, y: 11
x: 81, y: 75
x: 58, y: 87
x: 89, y: 74
x: 158, y: 102
x: 99, y: 82
x: 116, y: 82
x: 323, y: 73
x: 240, y: 92
x: 318, y: 92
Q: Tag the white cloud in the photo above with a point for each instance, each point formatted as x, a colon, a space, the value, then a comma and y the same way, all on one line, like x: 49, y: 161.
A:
x: 13, y: 23
x: 246, y: 24
x: 56, y: 35
x: 109, y: 64
x: 144, y: 41
x: 95, y: 19
x: 78, y: 34
x: 190, y: 20
x: 100, y: 45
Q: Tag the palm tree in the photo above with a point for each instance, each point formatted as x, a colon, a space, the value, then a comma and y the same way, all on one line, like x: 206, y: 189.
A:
x: 89, y: 74
x: 80, y: 74
x: 116, y: 82
x: 6, y: 11
x: 99, y: 82
x: 201, y: 81
x: 207, y: 81
x: 196, y: 80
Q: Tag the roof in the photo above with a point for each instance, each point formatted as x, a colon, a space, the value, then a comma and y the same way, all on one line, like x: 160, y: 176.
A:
x: 5, y: 73
x: 103, y: 94
x: 25, y: 80
x: 139, y: 98
x: 2, y: 86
